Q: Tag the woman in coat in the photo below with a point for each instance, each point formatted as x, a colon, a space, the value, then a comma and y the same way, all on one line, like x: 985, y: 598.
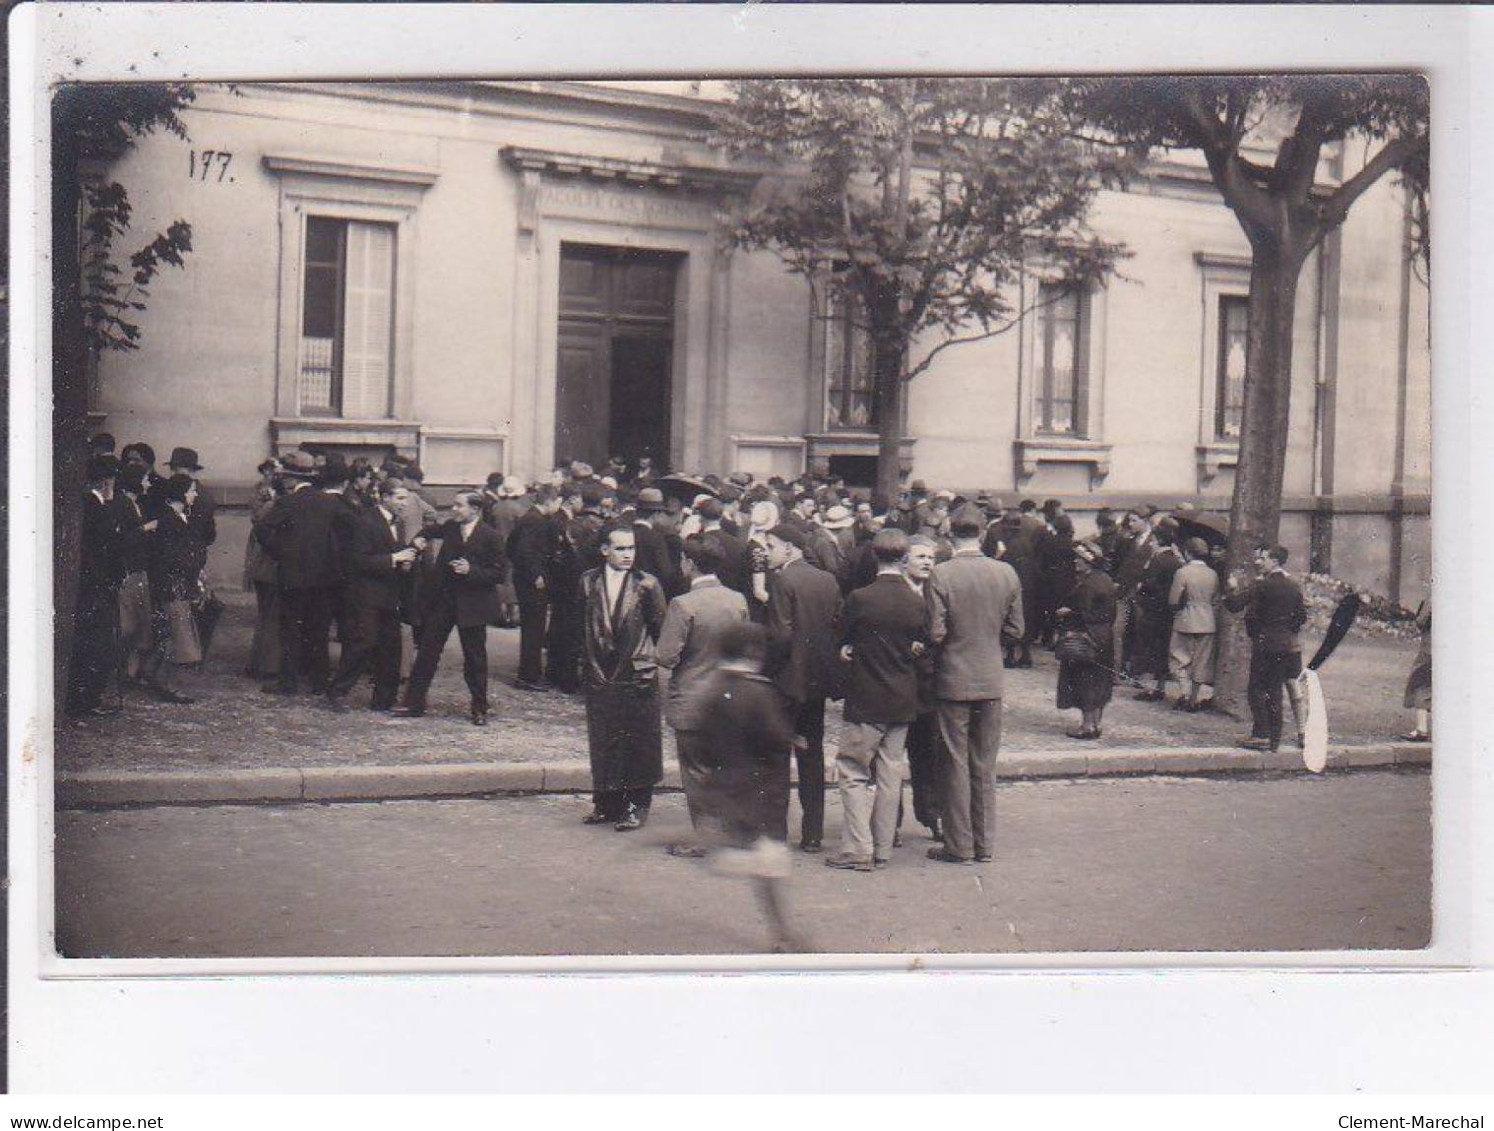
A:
x: 177, y: 558
x: 1090, y: 609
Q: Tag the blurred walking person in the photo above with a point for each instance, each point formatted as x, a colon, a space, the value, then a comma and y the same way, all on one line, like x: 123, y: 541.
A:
x: 974, y: 607
x: 1086, y: 641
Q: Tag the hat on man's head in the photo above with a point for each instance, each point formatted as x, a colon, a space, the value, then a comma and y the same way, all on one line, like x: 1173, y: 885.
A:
x: 299, y: 464
x: 581, y: 470
x: 143, y: 450
x: 609, y: 483
x: 494, y: 480
x: 650, y: 499
x: 1145, y: 510
x: 102, y: 442
x: 1089, y: 552
x: 967, y: 522
x: 786, y: 533
x: 103, y: 467
x: 184, y: 459
x: 1196, y: 547
x: 511, y: 488
x: 837, y: 517
x: 918, y: 485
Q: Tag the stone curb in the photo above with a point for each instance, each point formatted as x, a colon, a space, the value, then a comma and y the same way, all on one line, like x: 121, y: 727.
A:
x: 468, y: 779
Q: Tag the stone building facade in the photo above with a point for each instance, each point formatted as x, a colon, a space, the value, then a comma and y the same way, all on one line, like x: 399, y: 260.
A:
x: 497, y: 275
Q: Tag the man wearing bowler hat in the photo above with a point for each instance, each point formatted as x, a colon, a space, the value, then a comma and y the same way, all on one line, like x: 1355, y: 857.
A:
x: 653, y: 554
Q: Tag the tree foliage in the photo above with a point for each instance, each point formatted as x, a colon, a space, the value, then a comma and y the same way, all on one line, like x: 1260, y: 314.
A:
x: 1236, y: 121
x: 101, y: 123
x: 922, y: 198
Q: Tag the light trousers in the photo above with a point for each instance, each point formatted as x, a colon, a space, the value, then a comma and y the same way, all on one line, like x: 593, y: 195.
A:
x: 971, y: 730
x: 869, y: 770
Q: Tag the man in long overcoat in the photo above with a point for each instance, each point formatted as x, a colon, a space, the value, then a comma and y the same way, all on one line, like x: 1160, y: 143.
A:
x: 623, y: 614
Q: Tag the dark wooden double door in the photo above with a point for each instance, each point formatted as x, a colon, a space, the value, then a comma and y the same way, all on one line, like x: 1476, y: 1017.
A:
x: 616, y: 354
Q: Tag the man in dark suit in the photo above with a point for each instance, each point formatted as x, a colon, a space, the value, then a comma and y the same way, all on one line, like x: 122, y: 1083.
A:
x: 203, y: 515
x: 306, y: 533
x: 1149, y: 662
x: 375, y: 559
x: 654, y: 555
x: 1274, y: 615
x: 468, y: 570
x: 804, y: 608
x: 530, y: 550
x: 883, y: 640
x: 974, y: 606
x: 101, y: 569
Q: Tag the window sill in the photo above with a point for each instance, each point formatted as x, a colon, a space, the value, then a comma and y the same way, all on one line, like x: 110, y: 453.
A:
x: 1215, y: 456
x: 289, y: 433
x: 1060, y: 449
x: 823, y: 445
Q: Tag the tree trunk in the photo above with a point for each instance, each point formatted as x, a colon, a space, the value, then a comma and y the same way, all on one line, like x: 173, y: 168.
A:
x: 1255, y: 510
x: 69, y: 395
x: 887, y: 360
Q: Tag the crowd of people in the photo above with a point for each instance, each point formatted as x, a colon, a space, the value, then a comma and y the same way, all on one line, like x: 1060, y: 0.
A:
x: 761, y: 600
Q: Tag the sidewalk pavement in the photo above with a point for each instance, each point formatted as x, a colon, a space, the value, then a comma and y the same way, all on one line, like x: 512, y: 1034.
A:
x: 468, y: 779
x: 236, y: 745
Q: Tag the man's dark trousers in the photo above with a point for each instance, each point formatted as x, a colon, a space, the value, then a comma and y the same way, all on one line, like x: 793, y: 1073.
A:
x: 809, y: 725
x: 305, y: 620
x: 695, y: 779
x: 533, y: 604
x: 1269, y: 671
x: 439, y: 621
x: 372, y: 641
x: 95, y: 647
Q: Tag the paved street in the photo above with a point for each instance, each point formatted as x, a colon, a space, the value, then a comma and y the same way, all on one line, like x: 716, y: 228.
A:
x: 1292, y: 863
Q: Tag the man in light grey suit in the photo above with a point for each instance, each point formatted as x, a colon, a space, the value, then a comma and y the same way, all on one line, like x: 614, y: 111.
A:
x: 974, y: 604
x: 689, y: 645
x: 1194, y: 589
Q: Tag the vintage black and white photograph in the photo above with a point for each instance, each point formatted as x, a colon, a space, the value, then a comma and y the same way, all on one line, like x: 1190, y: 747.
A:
x: 813, y: 516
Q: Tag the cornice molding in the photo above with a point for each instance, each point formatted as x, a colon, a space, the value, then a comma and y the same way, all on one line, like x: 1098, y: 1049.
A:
x: 657, y: 174
x: 307, y: 166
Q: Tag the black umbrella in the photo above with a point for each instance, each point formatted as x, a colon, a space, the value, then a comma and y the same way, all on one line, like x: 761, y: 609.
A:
x: 1212, y: 528
x: 685, y: 487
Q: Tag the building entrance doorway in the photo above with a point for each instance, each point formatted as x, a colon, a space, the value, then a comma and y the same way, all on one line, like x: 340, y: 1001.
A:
x: 616, y: 354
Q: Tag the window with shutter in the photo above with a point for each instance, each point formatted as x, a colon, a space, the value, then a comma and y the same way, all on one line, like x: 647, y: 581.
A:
x: 1234, y: 326
x: 1062, y: 378
x: 850, y: 392
x: 347, y: 325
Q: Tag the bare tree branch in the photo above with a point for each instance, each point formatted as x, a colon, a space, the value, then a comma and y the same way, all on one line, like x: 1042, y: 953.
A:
x: 1392, y: 155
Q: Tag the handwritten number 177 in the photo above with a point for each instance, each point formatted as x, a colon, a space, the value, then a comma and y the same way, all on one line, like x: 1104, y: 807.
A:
x: 199, y: 165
